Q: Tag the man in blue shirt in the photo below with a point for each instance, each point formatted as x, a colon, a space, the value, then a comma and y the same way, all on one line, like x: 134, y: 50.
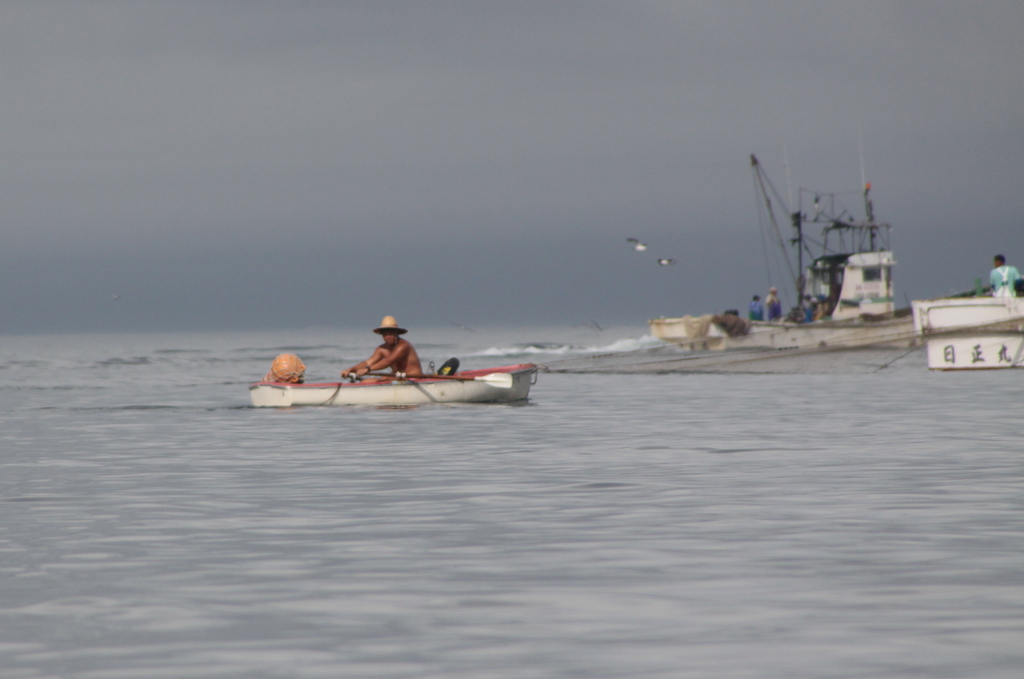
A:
x: 1003, y: 278
x: 756, y: 312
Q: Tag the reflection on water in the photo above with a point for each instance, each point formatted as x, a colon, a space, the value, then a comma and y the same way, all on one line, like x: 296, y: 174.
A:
x: 841, y: 525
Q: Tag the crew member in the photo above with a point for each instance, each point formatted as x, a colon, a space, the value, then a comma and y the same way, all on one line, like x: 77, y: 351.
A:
x: 810, y: 306
x: 773, y: 304
x: 756, y: 311
x: 1003, y: 278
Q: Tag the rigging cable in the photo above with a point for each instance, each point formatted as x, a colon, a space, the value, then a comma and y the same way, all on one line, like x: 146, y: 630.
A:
x: 759, y: 184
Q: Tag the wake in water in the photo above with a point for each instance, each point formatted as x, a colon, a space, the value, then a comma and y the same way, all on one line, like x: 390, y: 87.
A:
x: 535, y: 349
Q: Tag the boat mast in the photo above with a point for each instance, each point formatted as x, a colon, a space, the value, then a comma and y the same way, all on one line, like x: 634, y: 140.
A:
x: 798, y: 224
x: 870, y: 212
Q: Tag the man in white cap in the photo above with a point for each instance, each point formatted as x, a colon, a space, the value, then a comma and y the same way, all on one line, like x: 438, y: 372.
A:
x: 396, y: 353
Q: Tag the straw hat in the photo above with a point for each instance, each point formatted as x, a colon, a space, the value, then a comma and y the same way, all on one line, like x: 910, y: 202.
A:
x: 389, y: 323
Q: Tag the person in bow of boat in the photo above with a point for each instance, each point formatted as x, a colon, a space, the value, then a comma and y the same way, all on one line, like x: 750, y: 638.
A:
x: 395, y: 353
x: 1003, y: 278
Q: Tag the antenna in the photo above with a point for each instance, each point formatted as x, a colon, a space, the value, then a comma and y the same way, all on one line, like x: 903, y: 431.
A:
x: 868, y: 207
x: 860, y: 147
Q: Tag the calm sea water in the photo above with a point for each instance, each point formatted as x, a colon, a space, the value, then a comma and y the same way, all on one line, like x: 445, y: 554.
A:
x: 153, y: 524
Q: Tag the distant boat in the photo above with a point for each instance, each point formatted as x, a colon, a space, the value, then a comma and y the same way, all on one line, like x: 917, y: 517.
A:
x: 849, y: 279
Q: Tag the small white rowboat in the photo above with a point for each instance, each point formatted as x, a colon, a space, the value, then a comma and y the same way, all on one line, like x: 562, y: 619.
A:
x: 492, y: 385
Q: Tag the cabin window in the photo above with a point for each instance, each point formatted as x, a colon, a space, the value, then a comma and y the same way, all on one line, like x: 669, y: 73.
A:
x: 872, y: 273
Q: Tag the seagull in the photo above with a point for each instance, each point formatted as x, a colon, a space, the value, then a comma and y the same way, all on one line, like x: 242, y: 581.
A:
x: 459, y: 325
x: 593, y: 325
x: 637, y: 245
x: 117, y: 297
x: 666, y: 262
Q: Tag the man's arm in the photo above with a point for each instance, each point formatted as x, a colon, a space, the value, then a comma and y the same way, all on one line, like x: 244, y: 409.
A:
x: 366, y: 366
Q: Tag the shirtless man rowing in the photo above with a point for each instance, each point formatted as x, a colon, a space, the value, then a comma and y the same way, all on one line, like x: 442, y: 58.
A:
x: 396, y: 353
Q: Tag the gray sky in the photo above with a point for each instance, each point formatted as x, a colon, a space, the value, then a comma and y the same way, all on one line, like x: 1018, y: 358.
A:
x: 243, y: 164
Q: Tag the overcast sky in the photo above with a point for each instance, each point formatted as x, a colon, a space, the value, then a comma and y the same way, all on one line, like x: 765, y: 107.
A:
x: 233, y: 165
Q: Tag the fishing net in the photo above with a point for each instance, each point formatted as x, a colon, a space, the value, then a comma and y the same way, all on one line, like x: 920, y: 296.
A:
x: 696, y: 326
x: 733, y: 325
x: 286, y: 368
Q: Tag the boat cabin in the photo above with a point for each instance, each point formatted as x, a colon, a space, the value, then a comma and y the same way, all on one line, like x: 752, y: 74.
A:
x: 853, y: 284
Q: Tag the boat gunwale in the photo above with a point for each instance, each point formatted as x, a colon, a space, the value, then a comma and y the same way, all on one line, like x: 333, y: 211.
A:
x: 393, y: 382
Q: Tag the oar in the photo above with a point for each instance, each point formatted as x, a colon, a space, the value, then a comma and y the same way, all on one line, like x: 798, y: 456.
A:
x: 500, y: 380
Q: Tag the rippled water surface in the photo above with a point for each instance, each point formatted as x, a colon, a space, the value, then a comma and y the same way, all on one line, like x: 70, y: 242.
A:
x: 153, y: 524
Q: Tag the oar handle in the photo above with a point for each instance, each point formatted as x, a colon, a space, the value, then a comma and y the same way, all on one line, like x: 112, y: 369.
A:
x: 500, y: 380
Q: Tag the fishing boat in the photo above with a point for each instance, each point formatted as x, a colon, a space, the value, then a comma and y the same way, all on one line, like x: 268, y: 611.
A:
x: 848, y: 282
x: 490, y: 385
x: 972, y: 332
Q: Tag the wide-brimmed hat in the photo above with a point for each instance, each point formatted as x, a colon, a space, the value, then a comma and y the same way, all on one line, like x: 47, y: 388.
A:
x: 389, y: 323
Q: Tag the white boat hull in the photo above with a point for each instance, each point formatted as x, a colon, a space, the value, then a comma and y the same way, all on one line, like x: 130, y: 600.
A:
x: 968, y: 314
x: 413, y: 391
x: 851, y: 333
x: 972, y: 333
x: 979, y: 352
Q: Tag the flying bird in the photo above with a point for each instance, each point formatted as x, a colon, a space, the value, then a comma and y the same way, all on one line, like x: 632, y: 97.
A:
x: 666, y: 262
x: 593, y: 325
x: 637, y: 245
